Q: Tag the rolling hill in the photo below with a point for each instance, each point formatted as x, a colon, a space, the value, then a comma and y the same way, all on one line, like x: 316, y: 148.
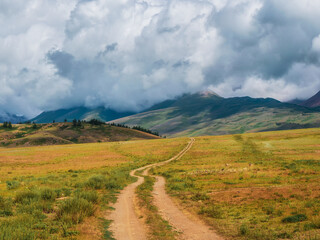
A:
x: 209, y: 114
x: 66, y: 133
x: 81, y: 113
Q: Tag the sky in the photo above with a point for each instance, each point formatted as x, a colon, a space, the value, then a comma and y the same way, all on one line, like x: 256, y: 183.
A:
x: 131, y: 54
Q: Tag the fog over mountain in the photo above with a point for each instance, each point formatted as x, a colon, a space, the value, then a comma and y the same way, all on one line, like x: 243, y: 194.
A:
x: 128, y: 55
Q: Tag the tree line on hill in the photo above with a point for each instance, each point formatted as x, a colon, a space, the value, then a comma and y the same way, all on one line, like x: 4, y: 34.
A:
x: 142, y: 129
x: 7, y: 125
x: 96, y: 122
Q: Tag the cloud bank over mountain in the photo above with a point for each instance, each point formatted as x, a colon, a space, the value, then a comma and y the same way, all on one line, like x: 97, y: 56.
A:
x: 128, y: 55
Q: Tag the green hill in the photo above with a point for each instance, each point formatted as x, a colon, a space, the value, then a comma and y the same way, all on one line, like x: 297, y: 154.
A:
x: 66, y: 133
x: 81, y: 113
x: 209, y: 114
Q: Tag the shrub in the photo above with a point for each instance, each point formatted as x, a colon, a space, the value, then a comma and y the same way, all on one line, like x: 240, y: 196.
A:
x: 66, y: 191
x: 243, y: 229
x: 48, y: 194
x: 269, y: 210
x: 295, y: 218
x: 200, y: 197
x: 46, y: 207
x: 176, y: 186
x: 90, y: 196
x: 5, y: 207
x: 58, y: 192
x: 211, y: 211
x: 26, y: 196
x: 112, y: 184
x: 284, y: 235
x: 74, y: 210
x: 35, y: 209
x: 96, y: 182
x: 12, y: 185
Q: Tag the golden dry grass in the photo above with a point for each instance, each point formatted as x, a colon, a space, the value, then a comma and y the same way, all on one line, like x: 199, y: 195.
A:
x: 245, y: 185
x: 45, y: 178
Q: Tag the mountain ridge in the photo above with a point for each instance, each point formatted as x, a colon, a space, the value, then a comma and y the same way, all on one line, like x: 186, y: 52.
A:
x: 196, y: 114
x: 81, y: 113
x: 202, y: 113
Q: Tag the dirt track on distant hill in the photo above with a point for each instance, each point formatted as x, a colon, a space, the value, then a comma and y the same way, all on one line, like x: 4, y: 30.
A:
x: 126, y: 224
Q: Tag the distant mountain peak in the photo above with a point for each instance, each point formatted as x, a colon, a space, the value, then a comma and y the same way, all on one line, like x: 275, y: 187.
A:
x: 208, y: 93
x: 314, y: 101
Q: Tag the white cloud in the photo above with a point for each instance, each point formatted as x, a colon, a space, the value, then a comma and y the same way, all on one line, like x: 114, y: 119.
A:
x: 316, y: 44
x: 128, y: 54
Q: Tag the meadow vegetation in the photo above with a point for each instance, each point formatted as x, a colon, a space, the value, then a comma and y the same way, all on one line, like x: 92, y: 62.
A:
x: 32, y: 134
x: 63, y: 192
x: 252, y: 186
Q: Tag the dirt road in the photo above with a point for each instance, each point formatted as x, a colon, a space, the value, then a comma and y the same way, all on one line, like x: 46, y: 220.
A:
x: 126, y: 224
x: 189, y: 226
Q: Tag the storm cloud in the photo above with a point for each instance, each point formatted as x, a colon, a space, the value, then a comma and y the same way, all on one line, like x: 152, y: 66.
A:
x: 128, y: 55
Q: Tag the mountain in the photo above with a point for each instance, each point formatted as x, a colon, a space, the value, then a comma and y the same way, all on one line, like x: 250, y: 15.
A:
x: 314, y: 101
x: 66, y: 133
x: 81, y: 113
x: 6, y: 117
x: 210, y: 114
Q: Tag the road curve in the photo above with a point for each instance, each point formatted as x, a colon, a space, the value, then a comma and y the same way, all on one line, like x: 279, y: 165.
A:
x: 126, y: 224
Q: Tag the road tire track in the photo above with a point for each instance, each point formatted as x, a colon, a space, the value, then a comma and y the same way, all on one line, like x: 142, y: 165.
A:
x: 126, y: 224
x: 189, y: 226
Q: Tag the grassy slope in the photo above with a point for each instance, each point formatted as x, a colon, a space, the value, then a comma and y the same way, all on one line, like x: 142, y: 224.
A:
x: 63, y: 192
x: 65, y: 133
x: 81, y: 113
x: 252, y: 186
x: 196, y: 115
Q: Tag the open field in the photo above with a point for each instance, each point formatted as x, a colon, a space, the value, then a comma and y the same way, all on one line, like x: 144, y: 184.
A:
x: 252, y: 186
x: 56, y: 192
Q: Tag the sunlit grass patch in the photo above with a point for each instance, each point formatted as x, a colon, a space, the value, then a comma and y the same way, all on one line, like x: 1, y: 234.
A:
x: 50, y: 192
x: 252, y: 186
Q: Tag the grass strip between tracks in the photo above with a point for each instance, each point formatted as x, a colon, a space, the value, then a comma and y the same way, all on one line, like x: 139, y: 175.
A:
x: 159, y: 229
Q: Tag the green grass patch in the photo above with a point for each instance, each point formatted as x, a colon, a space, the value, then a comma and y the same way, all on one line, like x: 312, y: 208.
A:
x: 295, y: 218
